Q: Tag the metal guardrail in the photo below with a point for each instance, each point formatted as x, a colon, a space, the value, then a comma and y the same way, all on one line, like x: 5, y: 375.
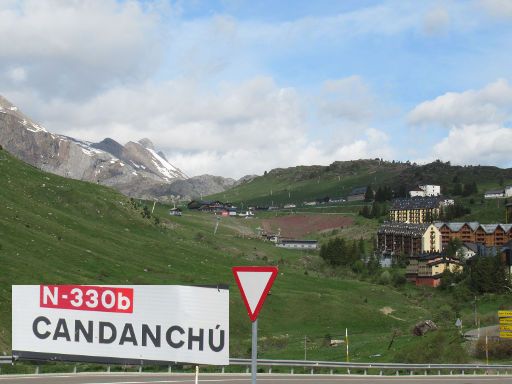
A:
x: 5, y: 359
x: 361, y: 366
x: 392, y: 366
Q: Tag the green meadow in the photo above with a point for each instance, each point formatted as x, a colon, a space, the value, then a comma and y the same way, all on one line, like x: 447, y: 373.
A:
x: 60, y: 231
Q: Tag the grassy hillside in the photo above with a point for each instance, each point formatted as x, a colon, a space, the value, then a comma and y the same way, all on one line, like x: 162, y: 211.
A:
x: 299, y: 184
x: 56, y: 230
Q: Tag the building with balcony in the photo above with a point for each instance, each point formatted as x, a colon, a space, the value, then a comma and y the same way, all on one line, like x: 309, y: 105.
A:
x: 408, y: 239
x: 490, y: 235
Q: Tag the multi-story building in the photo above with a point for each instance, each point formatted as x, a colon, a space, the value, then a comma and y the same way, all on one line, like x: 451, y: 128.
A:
x: 427, y: 269
x: 425, y: 190
x: 490, y: 235
x: 408, y: 239
x: 416, y: 210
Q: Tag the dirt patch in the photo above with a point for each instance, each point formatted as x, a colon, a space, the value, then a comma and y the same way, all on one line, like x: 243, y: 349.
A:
x: 297, y: 226
x: 388, y: 312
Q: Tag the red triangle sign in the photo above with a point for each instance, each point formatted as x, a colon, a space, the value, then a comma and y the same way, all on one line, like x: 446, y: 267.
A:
x: 254, y: 284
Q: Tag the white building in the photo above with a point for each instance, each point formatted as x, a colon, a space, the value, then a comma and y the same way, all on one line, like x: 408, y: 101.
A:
x: 426, y: 190
x: 297, y: 244
x: 508, y: 191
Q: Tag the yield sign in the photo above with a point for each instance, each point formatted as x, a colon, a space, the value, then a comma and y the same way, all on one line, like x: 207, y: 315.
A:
x: 254, y: 284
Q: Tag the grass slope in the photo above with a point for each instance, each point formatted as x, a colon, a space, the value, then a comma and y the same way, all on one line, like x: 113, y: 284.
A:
x: 299, y: 184
x: 56, y: 230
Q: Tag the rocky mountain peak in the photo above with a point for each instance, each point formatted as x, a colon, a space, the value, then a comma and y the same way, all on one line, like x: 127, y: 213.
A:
x: 146, y: 143
x: 135, y: 169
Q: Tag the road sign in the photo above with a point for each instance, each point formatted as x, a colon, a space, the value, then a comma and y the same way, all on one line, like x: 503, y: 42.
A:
x: 505, y: 335
x: 507, y: 328
x: 254, y: 284
x: 506, y: 320
x: 123, y: 324
x: 504, y: 313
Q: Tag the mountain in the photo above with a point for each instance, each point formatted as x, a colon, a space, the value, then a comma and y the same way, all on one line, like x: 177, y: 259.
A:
x: 135, y: 169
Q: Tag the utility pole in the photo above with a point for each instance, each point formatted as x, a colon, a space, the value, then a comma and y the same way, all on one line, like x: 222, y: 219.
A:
x: 476, y: 317
x: 305, y: 348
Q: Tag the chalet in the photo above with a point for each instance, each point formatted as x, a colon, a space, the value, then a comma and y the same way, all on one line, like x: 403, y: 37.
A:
x: 357, y: 194
x: 297, y: 244
x: 416, y: 210
x: 427, y: 269
x: 408, y: 239
x: 490, y: 235
x: 494, y: 194
x: 425, y: 191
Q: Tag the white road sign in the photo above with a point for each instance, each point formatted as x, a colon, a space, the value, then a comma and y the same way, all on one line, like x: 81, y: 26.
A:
x: 169, y: 323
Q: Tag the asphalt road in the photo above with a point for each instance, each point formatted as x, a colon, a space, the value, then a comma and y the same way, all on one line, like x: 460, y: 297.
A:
x: 246, y: 379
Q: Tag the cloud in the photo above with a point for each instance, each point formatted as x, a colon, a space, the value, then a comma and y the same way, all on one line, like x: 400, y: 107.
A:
x: 501, y: 9
x: 348, y: 98
x: 491, y: 104
x: 477, y: 121
x: 487, y: 144
x: 233, y: 130
x: 436, y: 21
x: 73, y: 48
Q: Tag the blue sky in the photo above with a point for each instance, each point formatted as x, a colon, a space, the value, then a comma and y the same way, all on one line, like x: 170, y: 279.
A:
x: 238, y: 87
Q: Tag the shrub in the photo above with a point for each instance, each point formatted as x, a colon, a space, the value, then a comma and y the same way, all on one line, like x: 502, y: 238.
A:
x: 498, y: 349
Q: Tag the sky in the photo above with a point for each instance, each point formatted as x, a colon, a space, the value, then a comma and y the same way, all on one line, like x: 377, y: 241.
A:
x: 238, y: 87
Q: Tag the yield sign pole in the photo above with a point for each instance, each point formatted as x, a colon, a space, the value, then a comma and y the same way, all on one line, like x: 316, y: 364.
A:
x: 254, y: 284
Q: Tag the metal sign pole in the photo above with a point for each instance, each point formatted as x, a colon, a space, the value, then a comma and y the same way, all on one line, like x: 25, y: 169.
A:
x: 254, y: 367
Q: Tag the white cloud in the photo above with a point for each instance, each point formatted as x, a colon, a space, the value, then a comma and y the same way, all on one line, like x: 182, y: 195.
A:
x: 17, y: 74
x: 235, y: 130
x: 491, y: 104
x: 487, y: 144
x: 477, y: 121
x: 348, y: 98
x: 436, y: 21
x: 501, y: 9
x: 75, y: 48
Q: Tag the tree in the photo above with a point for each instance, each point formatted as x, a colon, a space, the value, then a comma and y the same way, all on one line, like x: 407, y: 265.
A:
x: 369, y: 195
x: 453, y: 247
x: 457, y: 189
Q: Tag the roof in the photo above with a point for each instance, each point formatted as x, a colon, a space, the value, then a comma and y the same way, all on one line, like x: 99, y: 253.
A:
x: 299, y: 241
x: 456, y: 226
x: 359, y: 191
x: 404, y: 228
x: 471, y: 246
x: 416, y: 202
x: 494, y: 192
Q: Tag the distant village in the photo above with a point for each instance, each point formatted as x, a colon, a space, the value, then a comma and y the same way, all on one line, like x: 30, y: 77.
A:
x: 411, y: 231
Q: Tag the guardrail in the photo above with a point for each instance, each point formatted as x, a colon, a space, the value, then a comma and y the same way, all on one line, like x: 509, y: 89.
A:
x: 376, y: 367
x: 5, y: 359
x: 335, y: 364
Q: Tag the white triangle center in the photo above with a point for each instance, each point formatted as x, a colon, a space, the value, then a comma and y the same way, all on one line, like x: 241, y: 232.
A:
x: 253, y: 284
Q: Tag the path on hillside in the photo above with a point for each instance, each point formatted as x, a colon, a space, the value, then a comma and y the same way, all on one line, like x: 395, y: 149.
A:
x: 491, y: 331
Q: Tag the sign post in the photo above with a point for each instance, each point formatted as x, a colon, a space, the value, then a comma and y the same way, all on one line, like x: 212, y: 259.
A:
x: 254, y: 284
x: 505, y: 324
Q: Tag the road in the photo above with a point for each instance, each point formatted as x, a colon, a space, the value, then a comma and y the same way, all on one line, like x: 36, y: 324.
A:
x: 246, y: 379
